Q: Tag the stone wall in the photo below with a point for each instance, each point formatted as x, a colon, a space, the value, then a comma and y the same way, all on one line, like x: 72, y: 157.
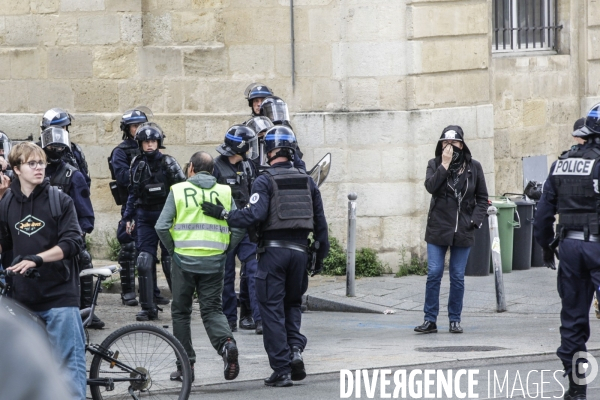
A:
x: 375, y: 83
x: 538, y: 97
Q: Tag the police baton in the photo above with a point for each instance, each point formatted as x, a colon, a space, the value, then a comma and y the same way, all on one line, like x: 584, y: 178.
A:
x: 496, y: 259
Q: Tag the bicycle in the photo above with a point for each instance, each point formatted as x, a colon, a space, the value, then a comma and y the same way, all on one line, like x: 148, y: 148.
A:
x: 133, y: 362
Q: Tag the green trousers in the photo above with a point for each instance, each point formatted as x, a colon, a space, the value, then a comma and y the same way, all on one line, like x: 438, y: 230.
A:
x: 209, y: 288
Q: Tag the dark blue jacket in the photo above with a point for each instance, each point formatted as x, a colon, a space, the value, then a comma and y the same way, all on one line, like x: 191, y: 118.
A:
x: 543, y: 225
x: 80, y: 193
x: 81, y: 162
x: 258, y: 211
x: 121, y: 163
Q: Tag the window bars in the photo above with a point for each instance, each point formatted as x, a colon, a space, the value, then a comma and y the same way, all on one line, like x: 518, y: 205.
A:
x: 525, y: 25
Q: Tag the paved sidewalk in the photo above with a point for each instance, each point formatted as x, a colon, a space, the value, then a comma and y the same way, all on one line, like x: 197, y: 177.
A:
x: 531, y: 291
x: 371, y: 339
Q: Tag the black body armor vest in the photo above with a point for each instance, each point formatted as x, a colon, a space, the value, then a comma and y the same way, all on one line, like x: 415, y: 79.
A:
x: 239, y: 182
x: 290, y: 206
x: 577, y: 190
x: 150, y: 183
x: 62, y: 178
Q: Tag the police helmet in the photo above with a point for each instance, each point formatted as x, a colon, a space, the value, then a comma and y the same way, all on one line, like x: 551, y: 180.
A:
x: 275, y: 109
x: 579, y: 128
x: 256, y: 90
x: 5, y: 144
x: 259, y: 124
x: 149, y: 131
x: 283, y: 138
x: 137, y: 115
x: 592, y: 121
x: 56, y: 117
x: 241, y: 140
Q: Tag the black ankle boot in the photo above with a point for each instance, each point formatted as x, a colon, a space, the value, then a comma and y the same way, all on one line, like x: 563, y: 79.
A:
x: 427, y: 327
x: 575, y: 392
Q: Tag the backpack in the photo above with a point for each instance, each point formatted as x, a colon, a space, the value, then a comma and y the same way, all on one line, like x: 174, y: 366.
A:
x: 53, y: 194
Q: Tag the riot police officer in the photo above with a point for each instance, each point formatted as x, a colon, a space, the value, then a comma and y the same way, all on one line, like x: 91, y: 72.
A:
x: 69, y: 180
x: 118, y: 164
x: 60, y: 118
x: 287, y: 206
x: 255, y: 93
x: 571, y: 190
x: 152, y: 175
x: 276, y: 110
x: 234, y: 168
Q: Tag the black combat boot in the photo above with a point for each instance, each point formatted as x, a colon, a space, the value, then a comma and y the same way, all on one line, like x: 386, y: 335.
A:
x: 575, y: 392
x: 297, y: 363
x: 246, y: 320
x: 279, y: 380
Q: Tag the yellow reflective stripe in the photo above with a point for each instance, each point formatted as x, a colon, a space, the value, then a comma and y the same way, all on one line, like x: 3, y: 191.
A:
x: 201, y: 227
x: 182, y: 244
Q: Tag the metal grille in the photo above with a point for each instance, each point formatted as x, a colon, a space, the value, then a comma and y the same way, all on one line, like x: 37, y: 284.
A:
x: 525, y: 25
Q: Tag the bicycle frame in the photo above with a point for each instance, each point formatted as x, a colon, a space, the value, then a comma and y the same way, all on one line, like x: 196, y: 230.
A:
x: 106, y: 355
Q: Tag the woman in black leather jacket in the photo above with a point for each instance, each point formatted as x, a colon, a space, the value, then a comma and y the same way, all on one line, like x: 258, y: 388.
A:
x: 459, y: 201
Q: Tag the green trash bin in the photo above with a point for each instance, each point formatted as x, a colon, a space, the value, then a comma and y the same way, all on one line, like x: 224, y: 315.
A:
x: 507, y: 212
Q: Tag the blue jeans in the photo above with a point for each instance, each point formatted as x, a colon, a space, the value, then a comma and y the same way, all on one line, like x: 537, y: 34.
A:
x: 67, y: 339
x: 435, y: 271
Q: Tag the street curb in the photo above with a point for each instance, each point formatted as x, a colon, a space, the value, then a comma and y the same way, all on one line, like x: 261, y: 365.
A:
x: 314, y: 303
x: 447, y: 364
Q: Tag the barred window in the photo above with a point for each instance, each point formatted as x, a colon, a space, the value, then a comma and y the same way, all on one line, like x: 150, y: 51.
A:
x: 524, y: 25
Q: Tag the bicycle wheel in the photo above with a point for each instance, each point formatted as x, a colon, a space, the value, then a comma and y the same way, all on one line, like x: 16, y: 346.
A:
x: 150, y: 350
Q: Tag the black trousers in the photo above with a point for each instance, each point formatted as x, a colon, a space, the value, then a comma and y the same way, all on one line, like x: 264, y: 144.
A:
x: 578, y: 278
x: 281, y: 280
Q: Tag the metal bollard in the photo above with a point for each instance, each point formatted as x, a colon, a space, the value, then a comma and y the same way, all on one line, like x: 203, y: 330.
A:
x: 496, y: 258
x: 351, y: 253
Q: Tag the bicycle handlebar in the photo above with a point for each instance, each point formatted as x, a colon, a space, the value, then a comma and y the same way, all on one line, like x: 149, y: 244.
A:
x: 30, y: 273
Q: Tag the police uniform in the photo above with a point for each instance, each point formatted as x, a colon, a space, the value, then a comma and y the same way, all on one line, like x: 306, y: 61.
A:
x: 120, y: 160
x: 239, y: 178
x: 286, y: 204
x: 571, y: 190
x: 71, y: 181
x: 76, y: 158
x: 281, y: 278
x: 151, y: 177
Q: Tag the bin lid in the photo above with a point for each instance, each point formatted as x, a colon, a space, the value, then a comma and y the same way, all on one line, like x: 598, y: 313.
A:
x: 504, y: 204
x: 524, y: 202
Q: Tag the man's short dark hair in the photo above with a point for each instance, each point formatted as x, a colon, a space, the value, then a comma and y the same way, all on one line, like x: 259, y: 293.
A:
x: 202, y: 162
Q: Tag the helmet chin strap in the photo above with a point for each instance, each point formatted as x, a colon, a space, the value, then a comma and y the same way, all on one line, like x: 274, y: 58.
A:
x: 150, y: 153
x: 282, y: 153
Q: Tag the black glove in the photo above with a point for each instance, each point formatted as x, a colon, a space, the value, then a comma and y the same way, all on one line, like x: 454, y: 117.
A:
x: 215, y: 211
x: 318, y: 268
x: 548, y: 256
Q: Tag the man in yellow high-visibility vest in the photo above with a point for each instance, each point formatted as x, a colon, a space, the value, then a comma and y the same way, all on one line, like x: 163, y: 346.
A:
x: 198, y: 244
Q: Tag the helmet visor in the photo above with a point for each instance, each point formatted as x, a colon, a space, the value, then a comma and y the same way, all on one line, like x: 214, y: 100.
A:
x: 55, y: 137
x: 276, y: 112
x: 6, y: 146
x: 143, y: 109
x: 253, y: 152
x: 259, y: 124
